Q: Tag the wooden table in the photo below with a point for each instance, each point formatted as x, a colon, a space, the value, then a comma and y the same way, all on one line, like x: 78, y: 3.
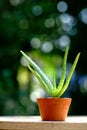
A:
x: 35, y: 123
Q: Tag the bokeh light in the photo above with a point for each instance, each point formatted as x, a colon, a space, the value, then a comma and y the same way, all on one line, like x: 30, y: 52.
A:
x: 35, y: 43
x: 83, y: 15
x: 62, y: 42
x: 23, y: 61
x: 83, y: 84
x: 49, y: 23
x: 67, y: 19
x: 37, y: 10
x: 47, y: 47
x: 16, y: 2
x: 37, y: 93
x: 62, y: 6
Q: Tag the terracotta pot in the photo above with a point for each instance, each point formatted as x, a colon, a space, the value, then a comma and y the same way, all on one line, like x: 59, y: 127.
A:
x: 54, y: 108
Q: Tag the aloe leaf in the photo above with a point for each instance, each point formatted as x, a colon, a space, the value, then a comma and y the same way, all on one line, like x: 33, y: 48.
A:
x: 54, y: 87
x: 60, y: 85
x: 69, y: 76
x: 44, y: 86
x: 39, y: 71
x: 54, y: 82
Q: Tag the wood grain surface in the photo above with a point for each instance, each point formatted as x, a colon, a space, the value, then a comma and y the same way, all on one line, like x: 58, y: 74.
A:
x: 35, y: 123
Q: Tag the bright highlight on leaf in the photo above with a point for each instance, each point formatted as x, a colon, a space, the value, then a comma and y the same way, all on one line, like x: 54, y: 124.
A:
x: 52, y: 89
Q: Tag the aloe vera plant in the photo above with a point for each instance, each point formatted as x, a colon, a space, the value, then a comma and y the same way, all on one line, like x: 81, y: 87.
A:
x: 51, y: 88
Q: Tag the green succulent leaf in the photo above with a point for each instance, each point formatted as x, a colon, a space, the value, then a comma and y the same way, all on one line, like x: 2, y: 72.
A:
x: 50, y: 88
x: 39, y: 71
x: 60, y: 85
x: 53, y: 93
x: 44, y: 86
x: 69, y: 76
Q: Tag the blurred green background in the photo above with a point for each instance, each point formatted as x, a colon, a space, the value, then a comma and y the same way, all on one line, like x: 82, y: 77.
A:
x: 42, y: 29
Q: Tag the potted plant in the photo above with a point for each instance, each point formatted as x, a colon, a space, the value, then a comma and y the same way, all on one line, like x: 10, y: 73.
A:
x: 54, y: 107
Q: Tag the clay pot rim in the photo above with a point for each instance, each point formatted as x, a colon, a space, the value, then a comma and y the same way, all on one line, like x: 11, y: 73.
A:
x: 54, y: 98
